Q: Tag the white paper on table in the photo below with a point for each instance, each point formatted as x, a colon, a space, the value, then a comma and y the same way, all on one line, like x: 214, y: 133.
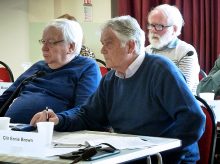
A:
x: 122, y: 142
x: 118, y: 142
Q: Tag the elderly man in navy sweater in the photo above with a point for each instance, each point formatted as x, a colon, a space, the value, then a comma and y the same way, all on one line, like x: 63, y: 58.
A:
x: 68, y: 79
x: 143, y: 94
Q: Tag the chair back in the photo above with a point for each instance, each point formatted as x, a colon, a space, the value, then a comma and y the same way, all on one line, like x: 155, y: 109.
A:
x: 5, y: 73
x: 102, y: 66
x: 208, y: 140
x: 202, y: 74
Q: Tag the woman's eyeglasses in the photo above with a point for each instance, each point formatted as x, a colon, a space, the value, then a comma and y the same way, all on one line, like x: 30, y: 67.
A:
x: 50, y: 43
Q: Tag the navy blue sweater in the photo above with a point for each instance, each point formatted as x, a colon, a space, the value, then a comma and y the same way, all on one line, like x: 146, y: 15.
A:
x: 64, y: 89
x: 155, y: 101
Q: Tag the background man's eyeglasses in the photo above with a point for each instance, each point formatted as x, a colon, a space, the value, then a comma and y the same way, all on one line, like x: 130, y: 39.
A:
x: 50, y: 43
x: 157, y: 27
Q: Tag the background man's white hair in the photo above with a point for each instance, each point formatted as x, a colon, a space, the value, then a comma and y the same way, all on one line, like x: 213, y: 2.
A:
x: 174, y: 17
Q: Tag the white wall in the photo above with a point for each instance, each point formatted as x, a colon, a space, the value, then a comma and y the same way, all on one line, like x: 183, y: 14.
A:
x: 22, y: 22
x: 54, y: 8
x: 14, y: 40
x: 101, y: 11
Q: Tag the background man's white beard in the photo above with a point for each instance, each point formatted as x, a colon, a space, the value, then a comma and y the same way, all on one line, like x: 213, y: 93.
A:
x: 156, y: 43
x: 161, y: 41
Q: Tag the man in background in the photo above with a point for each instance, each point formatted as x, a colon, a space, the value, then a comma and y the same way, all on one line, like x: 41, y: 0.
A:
x: 164, y: 26
x: 211, y: 83
x: 143, y: 94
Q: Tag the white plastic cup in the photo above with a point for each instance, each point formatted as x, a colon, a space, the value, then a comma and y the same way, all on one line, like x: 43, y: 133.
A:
x: 45, y: 130
x: 207, y: 96
x: 4, y: 123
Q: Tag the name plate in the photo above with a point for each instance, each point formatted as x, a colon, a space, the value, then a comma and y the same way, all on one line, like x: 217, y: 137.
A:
x: 4, y: 86
x: 16, y: 142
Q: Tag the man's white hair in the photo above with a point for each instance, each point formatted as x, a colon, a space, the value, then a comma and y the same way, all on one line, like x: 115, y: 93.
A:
x: 174, y: 17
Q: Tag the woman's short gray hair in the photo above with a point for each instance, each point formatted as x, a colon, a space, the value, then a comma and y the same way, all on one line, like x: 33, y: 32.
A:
x: 174, y: 17
x: 71, y: 30
x: 127, y: 28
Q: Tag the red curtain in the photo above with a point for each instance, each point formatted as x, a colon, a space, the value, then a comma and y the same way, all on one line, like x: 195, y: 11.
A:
x: 201, y: 29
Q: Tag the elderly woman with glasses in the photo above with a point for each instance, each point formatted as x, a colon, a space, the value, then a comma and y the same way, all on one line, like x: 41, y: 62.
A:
x: 164, y: 26
x: 62, y: 81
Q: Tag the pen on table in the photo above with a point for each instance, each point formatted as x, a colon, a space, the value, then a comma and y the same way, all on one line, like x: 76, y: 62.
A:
x: 47, y: 117
x: 69, y: 145
x: 63, y: 145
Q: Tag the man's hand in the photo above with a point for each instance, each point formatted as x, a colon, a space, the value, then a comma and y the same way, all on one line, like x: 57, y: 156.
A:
x: 45, y: 115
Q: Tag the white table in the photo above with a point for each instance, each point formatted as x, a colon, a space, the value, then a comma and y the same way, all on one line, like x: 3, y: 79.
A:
x: 161, y: 144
